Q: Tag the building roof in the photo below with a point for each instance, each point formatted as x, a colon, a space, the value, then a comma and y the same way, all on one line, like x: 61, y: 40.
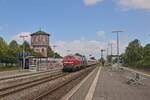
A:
x: 40, y: 33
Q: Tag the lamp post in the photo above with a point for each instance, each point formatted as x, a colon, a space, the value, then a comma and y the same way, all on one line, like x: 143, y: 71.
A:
x: 117, y: 32
x: 102, y: 59
x: 107, y: 51
x: 110, y: 44
x: 23, y: 50
x: 102, y: 51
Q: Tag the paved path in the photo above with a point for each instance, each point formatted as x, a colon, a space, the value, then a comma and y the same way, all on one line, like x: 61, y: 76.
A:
x: 105, y: 84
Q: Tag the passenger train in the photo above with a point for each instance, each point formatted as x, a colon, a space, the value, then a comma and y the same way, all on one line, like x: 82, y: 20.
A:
x: 73, y: 63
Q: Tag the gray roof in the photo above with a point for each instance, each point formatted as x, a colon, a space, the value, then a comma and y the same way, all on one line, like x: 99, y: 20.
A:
x: 40, y: 33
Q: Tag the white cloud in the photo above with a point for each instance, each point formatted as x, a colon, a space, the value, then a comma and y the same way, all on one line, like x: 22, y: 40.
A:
x: 122, y: 47
x: 100, y: 33
x: 91, y: 2
x: 84, y: 47
x: 113, y: 42
x: 125, y: 4
x: 134, y: 4
x: 20, y: 40
x: 87, y: 47
x: 125, y: 38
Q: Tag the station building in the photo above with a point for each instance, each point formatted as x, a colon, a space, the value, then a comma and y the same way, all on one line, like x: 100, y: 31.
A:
x: 40, y: 42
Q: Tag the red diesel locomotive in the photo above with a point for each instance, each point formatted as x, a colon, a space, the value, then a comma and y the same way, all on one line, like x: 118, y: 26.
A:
x: 74, y: 63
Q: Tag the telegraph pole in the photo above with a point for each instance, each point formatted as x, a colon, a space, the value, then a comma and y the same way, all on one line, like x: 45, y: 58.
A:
x: 54, y: 46
x: 107, y: 51
x: 110, y: 44
x: 102, y: 50
x: 117, y: 32
x: 23, y: 50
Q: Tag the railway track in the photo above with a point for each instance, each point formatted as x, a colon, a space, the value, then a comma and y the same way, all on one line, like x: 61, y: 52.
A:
x: 19, y: 87
x: 62, y: 84
x: 52, y: 90
x: 57, y: 77
x: 26, y: 74
x: 25, y: 79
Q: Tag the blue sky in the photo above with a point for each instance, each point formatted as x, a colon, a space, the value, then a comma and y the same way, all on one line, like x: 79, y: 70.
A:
x: 77, y: 22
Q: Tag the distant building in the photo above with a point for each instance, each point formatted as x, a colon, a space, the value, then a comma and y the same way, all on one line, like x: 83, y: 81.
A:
x: 40, y: 42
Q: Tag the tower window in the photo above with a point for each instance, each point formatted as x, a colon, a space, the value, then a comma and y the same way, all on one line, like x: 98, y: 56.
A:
x: 42, y: 49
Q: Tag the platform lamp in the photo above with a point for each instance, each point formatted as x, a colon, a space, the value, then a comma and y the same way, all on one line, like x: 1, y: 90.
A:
x: 111, y: 50
x: 23, y: 50
x: 102, y: 54
x: 117, y: 32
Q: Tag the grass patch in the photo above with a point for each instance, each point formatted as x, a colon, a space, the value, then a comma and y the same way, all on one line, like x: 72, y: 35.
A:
x: 8, y: 68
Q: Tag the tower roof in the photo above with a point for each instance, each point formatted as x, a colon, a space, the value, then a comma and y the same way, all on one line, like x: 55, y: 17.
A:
x: 40, y: 33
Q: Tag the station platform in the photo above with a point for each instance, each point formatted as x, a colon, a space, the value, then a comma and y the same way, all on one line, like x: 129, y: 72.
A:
x: 105, y: 84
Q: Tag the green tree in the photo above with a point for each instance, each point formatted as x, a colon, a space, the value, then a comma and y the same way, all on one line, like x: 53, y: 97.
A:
x: 51, y: 53
x: 3, y: 50
x: 12, y: 51
x: 133, y: 54
x: 13, y: 44
x: 57, y: 55
x: 28, y: 49
x: 146, y: 56
x: 26, y: 46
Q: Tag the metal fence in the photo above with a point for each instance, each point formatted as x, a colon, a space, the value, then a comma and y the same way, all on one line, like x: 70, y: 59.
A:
x: 38, y: 64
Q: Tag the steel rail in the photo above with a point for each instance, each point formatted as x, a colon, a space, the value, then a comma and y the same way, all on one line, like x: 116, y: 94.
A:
x: 20, y: 87
x: 58, y: 87
x: 26, y: 74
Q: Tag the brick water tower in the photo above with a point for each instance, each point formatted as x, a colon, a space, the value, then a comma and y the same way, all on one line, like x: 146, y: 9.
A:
x: 40, y: 42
